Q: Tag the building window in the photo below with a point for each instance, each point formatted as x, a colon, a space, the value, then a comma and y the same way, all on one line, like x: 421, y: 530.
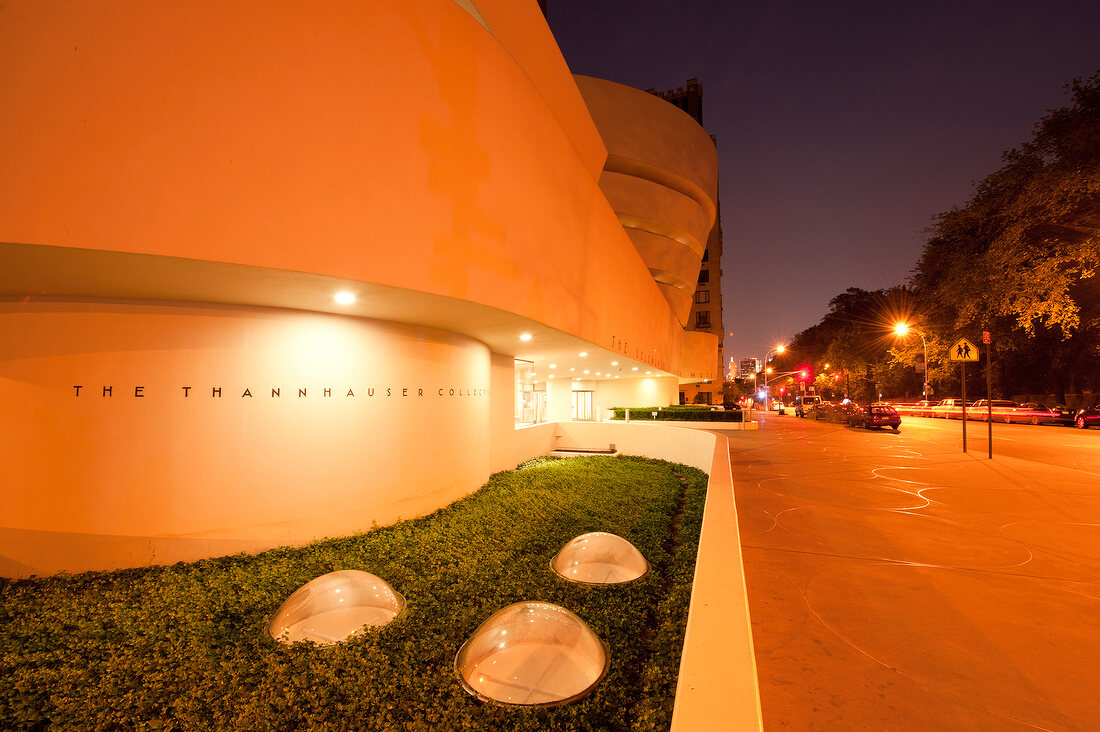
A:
x: 704, y: 276
x: 702, y: 296
x: 702, y: 319
x: 706, y: 255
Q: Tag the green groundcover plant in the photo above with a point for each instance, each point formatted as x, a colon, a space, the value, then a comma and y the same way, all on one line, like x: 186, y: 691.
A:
x: 184, y: 647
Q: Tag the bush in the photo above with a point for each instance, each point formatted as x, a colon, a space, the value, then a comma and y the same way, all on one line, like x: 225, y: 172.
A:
x: 185, y: 646
x: 679, y: 413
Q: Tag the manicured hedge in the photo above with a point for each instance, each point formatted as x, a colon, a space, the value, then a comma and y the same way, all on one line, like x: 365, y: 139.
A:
x: 678, y: 413
x: 184, y: 646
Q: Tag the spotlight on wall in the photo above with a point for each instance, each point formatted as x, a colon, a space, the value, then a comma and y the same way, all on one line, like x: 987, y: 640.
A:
x: 344, y: 298
x: 525, y: 337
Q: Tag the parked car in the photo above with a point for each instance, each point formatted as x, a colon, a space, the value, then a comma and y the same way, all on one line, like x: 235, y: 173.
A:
x: 1039, y: 413
x: 923, y: 408
x: 805, y: 404
x: 846, y: 412
x: 949, y: 409
x: 917, y: 409
x: 983, y: 407
x: 876, y: 415
x: 1088, y: 417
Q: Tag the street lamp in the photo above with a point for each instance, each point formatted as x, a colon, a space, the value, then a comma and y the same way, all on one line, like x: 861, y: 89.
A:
x: 902, y: 330
x: 779, y: 349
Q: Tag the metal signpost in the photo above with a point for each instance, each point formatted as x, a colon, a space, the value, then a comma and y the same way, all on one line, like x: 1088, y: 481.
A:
x: 962, y: 351
x: 988, y: 387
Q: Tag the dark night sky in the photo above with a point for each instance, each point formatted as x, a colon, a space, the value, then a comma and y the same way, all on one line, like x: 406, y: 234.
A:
x: 842, y: 128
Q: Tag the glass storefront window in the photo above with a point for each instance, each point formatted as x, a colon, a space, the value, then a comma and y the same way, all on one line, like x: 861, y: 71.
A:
x: 530, y: 394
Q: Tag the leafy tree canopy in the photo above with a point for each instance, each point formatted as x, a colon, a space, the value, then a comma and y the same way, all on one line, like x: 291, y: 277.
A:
x: 1019, y: 259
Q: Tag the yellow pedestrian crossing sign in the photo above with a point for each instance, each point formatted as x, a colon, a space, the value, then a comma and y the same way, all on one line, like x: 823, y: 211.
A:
x: 963, y: 350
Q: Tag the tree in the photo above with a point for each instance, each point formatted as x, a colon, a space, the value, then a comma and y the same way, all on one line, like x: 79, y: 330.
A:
x: 1019, y: 259
x: 855, y: 338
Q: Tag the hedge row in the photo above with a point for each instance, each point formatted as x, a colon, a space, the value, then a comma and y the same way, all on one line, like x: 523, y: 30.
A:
x: 682, y: 413
x: 185, y: 647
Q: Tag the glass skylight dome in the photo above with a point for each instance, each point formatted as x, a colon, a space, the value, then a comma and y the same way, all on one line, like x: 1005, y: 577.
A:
x: 532, y: 653
x: 599, y: 558
x: 335, y: 606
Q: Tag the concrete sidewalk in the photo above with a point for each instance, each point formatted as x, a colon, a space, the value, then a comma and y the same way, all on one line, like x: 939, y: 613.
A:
x: 898, y: 584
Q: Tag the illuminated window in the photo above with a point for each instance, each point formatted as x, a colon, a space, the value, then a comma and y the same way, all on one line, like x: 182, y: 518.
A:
x: 530, y: 397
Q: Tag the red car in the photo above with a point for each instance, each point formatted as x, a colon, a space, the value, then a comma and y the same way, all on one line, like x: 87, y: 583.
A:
x: 1088, y: 417
x: 876, y: 415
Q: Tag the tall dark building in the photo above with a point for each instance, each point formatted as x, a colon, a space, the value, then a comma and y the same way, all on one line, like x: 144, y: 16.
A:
x: 688, y: 98
x: 706, y: 310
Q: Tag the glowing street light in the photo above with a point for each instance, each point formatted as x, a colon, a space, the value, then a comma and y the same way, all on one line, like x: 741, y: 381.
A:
x: 902, y: 330
x: 780, y: 348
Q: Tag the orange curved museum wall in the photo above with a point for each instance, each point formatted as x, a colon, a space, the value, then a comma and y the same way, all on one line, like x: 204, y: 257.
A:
x: 661, y: 178
x: 191, y: 453
x: 397, y: 143
x: 244, y: 154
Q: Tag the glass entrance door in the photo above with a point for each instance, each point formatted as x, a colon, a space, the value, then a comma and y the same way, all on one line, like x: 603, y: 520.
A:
x: 582, y: 405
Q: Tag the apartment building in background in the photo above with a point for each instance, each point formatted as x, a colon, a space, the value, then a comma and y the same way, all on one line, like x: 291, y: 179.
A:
x: 706, y: 306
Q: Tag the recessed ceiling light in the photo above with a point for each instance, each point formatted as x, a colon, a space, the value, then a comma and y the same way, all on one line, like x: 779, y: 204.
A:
x: 614, y: 363
x: 586, y: 371
x: 582, y: 354
x: 553, y: 365
x: 616, y: 376
x: 634, y: 369
x: 525, y: 337
x: 572, y: 369
x: 551, y: 376
x: 597, y: 373
x: 649, y: 372
x: 344, y: 298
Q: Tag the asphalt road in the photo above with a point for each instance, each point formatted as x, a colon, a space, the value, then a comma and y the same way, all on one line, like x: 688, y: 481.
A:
x: 897, y: 583
x: 1065, y: 447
